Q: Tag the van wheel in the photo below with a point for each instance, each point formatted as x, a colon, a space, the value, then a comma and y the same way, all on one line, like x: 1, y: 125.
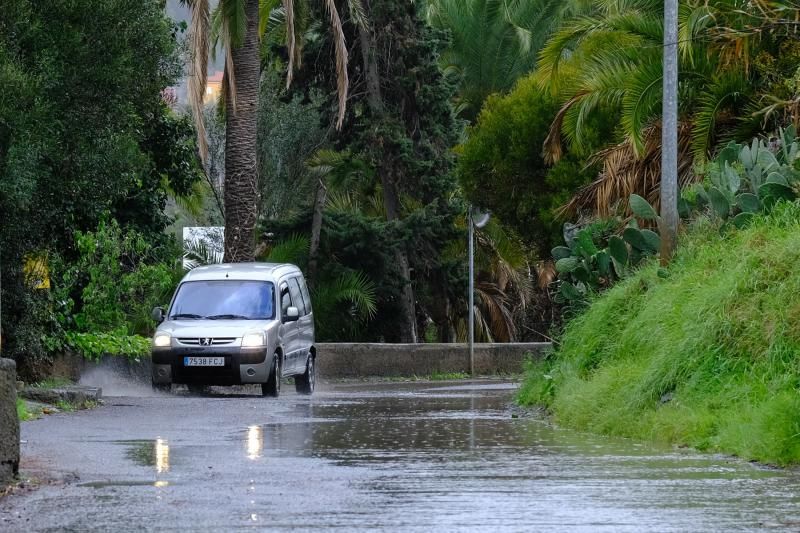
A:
x: 305, y: 383
x: 273, y: 385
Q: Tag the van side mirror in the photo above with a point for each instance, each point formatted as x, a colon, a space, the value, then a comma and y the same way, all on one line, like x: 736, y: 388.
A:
x: 158, y: 314
x: 292, y: 315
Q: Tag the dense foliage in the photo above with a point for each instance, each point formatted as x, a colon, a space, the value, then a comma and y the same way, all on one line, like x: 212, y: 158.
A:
x: 738, y: 71
x: 391, y: 190
x: 705, y: 356
x: 501, y: 166
x: 84, y: 135
x: 492, y: 43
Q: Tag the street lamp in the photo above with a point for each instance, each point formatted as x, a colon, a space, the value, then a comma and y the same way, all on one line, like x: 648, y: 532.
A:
x: 477, y: 219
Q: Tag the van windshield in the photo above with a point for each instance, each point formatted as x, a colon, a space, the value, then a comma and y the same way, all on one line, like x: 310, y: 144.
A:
x: 224, y: 300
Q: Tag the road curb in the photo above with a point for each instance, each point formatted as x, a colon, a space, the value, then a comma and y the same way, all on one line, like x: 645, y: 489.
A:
x: 75, y: 395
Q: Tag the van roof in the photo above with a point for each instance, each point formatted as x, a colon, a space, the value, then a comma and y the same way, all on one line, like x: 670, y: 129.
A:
x: 250, y: 271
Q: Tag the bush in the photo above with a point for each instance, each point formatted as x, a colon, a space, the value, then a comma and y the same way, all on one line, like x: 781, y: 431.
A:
x: 93, y: 346
x: 501, y: 166
x: 114, y: 283
x: 704, y: 356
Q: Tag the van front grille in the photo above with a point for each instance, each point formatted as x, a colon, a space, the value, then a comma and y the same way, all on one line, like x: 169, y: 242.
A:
x: 206, y: 341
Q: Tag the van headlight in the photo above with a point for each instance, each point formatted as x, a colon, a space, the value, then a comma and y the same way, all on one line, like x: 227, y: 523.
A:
x: 254, y: 340
x: 161, y: 340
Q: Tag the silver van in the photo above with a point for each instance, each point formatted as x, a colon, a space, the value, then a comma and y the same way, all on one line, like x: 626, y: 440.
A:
x: 233, y: 324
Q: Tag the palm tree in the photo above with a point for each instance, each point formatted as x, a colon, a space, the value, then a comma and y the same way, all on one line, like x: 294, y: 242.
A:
x: 504, y: 284
x: 611, y: 59
x: 493, y: 42
x: 238, y: 25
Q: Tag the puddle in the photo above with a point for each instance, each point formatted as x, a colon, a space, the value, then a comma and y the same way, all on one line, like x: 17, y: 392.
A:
x: 134, y: 483
x: 153, y: 453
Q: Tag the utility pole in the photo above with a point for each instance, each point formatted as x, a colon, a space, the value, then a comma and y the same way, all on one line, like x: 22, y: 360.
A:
x: 669, y: 135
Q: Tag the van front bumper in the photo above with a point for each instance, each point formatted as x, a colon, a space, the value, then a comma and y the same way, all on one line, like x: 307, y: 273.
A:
x: 242, y: 366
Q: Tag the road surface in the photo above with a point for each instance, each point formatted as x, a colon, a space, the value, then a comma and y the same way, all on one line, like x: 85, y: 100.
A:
x: 372, y: 457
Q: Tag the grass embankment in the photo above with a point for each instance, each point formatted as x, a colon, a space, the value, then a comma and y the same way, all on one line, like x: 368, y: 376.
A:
x: 707, y: 357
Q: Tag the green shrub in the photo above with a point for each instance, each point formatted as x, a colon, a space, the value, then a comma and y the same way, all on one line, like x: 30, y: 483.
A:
x: 501, y: 166
x: 114, y: 284
x: 93, y: 346
x: 705, y: 355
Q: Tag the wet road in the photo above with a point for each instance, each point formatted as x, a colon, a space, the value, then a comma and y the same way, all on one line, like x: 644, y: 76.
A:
x: 393, y: 457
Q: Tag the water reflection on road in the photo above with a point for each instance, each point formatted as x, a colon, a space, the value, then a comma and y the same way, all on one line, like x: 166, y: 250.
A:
x: 378, y: 457
x: 453, y: 457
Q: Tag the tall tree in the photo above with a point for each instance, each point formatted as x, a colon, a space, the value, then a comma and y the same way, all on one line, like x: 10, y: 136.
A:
x: 238, y: 25
x: 84, y: 135
x: 611, y: 60
x: 241, y: 176
x: 392, y: 204
x: 492, y: 43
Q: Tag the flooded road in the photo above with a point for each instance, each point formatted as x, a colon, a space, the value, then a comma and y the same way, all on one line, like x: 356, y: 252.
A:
x: 378, y: 457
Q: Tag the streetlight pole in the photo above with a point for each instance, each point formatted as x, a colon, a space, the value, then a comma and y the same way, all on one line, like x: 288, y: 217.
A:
x: 669, y: 134
x: 475, y: 219
x: 470, y: 223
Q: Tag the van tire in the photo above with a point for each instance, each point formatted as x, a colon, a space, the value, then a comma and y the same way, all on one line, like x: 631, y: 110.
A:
x: 272, y: 387
x: 305, y: 383
x: 164, y: 388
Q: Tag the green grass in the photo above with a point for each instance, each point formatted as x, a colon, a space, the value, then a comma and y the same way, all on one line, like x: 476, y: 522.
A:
x: 707, y: 357
x: 54, y: 383
x: 65, y: 406
x: 22, y: 410
x: 448, y: 376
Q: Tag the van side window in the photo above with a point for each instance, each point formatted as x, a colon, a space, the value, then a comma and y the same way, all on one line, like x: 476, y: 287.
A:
x: 286, y: 299
x: 297, y: 298
x: 304, y: 292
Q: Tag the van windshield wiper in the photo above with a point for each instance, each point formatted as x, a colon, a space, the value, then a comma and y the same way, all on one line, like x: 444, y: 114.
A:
x: 228, y: 317
x: 186, y: 315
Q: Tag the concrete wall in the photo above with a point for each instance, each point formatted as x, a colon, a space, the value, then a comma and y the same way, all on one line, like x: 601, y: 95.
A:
x: 361, y: 360
x: 357, y: 360
x: 9, y: 423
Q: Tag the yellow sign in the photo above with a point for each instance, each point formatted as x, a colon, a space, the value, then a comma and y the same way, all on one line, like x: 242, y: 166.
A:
x: 37, y: 273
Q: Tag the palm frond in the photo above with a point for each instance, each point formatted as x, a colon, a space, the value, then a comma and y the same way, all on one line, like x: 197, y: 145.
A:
x: 199, y: 35
x: 342, y: 80
x: 724, y: 92
x: 641, y: 103
x: 325, y: 160
x: 496, y: 315
x: 265, y: 9
x: 343, y: 202
x: 358, y: 14
x: 355, y: 287
x: 293, y: 249
x: 291, y: 41
x: 228, y: 26
x: 624, y: 174
x: 198, y: 253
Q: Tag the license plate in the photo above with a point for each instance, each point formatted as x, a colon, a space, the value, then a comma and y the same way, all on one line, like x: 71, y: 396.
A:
x: 203, y: 361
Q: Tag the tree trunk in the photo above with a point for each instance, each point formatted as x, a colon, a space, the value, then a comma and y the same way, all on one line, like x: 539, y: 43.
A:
x: 408, y: 323
x: 316, y: 230
x: 241, y: 191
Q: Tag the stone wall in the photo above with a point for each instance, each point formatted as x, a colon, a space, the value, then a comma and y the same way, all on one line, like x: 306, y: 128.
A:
x: 9, y: 423
x: 387, y: 360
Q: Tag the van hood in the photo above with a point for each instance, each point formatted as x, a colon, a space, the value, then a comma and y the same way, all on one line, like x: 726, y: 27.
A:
x: 212, y: 328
